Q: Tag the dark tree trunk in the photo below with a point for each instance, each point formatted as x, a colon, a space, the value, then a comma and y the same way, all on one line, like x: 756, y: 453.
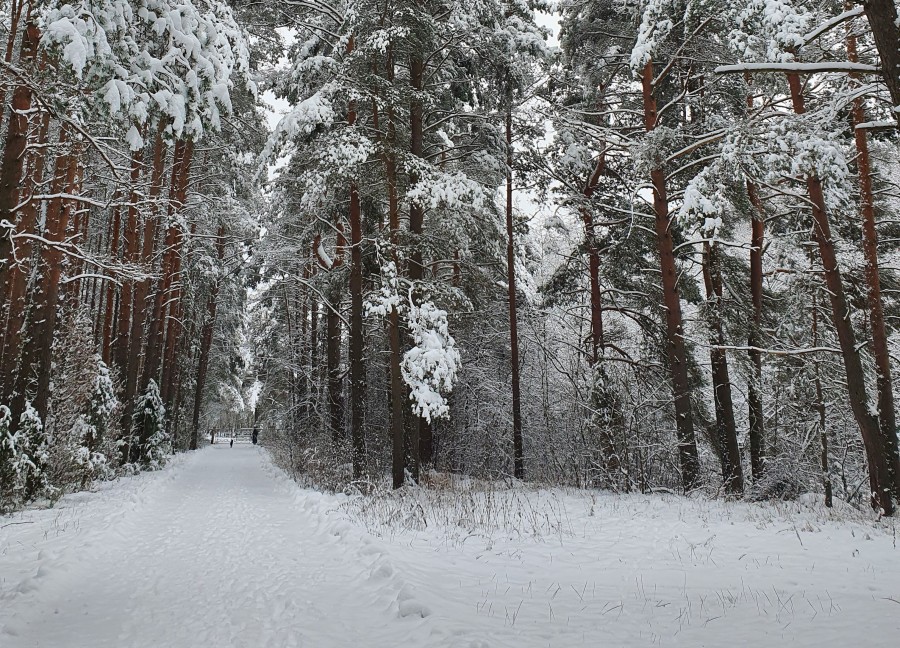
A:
x: 206, y: 337
x: 518, y: 449
x: 113, y: 249
x: 879, y: 475
x: 611, y: 455
x: 142, y: 290
x: 882, y: 15
x: 333, y: 362
x: 397, y: 390
x: 12, y: 164
x: 357, y: 343
x: 675, y: 347
x: 732, y: 472
x: 19, y: 273
x: 754, y: 384
x: 33, y: 376
x: 886, y: 411
x: 313, y: 334
x: 418, y: 427
x: 131, y: 235
x: 171, y: 245
x: 15, y: 14
x: 820, y: 408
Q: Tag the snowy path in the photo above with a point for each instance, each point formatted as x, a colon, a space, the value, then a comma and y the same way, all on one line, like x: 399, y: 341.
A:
x: 216, y: 552
x: 221, y: 549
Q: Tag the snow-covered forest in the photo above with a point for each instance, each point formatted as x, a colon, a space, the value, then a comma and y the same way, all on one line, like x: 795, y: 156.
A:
x: 477, y: 252
x: 627, y: 245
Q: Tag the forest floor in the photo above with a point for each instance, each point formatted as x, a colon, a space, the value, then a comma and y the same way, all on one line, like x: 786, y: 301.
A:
x: 222, y: 549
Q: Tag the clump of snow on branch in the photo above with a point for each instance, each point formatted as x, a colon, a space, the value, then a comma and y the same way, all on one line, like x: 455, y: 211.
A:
x: 452, y: 190
x: 654, y: 28
x: 387, y: 298
x: 178, y: 60
x: 798, y: 147
x: 770, y: 30
x: 429, y: 368
x: 703, y: 204
x: 308, y: 115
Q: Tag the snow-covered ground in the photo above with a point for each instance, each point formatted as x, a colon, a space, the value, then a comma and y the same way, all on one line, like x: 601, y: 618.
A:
x: 221, y: 549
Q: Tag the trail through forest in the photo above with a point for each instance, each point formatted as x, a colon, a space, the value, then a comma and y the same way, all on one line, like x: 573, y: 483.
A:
x: 221, y: 549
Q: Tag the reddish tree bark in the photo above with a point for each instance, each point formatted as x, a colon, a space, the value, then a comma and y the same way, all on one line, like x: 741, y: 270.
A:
x: 15, y: 14
x: 12, y: 163
x: 754, y: 385
x: 168, y: 269
x: 142, y: 289
x: 675, y: 348
x: 19, y: 271
x: 130, y: 254
x: 33, y: 376
x: 886, y: 411
x: 109, y: 305
x: 879, y: 475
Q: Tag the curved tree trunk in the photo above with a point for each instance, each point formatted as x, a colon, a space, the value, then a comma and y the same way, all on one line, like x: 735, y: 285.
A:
x: 879, y: 475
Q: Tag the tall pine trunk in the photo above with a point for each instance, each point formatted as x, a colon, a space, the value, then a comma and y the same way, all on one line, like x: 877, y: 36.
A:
x: 357, y: 343
x: 675, y: 347
x: 518, y: 449
x: 397, y: 390
x: 33, y: 376
x: 879, y: 475
x: 20, y: 272
x: 732, y: 472
x: 142, y: 289
x: 754, y: 341
x: 333, y: 350
x: 883, y: 21
x: 820, y: 408
x: 130, y: 254
x: 12, y: 163
x: 206, y: 338
x: 419, y: 429
x: 886, y: 411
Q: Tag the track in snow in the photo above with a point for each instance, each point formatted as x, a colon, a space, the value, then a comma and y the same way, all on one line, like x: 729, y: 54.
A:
x: 219, y: 551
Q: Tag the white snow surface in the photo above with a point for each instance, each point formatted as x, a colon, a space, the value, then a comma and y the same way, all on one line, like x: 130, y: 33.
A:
x: 220, y: 548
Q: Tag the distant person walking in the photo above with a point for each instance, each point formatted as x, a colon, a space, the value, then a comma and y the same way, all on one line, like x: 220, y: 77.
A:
x: 231, y: 445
